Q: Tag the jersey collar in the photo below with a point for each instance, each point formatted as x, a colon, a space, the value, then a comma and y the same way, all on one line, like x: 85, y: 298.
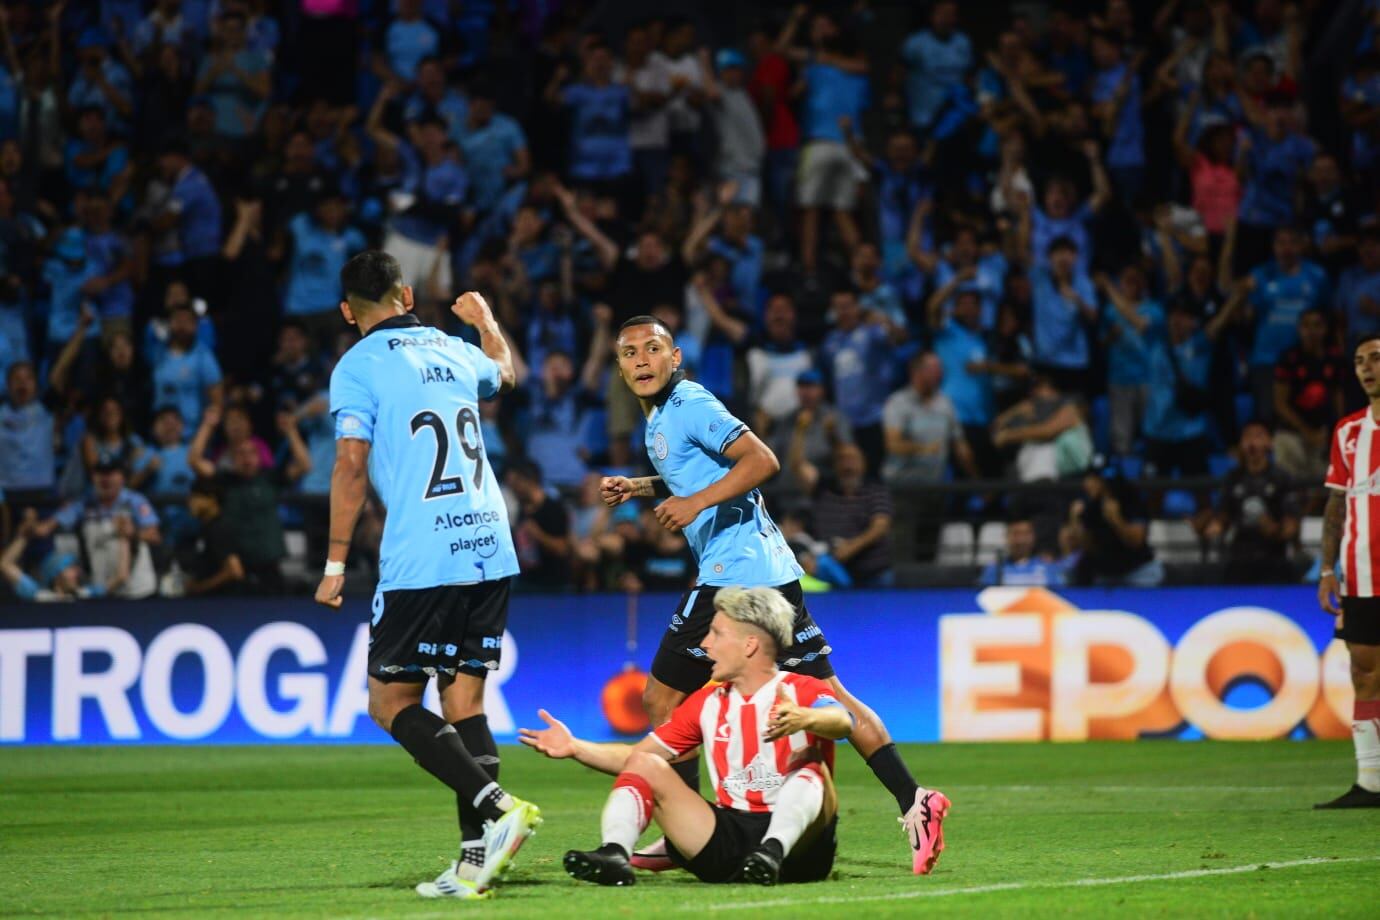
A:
x: 660, y: 398
x: 395, y: 322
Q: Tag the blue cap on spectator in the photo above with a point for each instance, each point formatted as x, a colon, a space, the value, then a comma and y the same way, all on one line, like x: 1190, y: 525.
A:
x: 54, y: 565
x: 729, y: 57
x: 91, y: 38
x: 71, y: 247
x: 810, y: 376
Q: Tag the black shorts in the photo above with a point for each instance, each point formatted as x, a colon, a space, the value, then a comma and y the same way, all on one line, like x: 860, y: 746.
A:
x: 682, y: 665
x: 737, y: 833
x: 1360, y: 621
x: 420, y: 633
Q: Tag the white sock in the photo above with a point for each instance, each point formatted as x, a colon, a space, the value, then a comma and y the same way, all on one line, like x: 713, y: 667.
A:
x: 627, y: 813
x: 1365, y: 733
x: 797, y: 806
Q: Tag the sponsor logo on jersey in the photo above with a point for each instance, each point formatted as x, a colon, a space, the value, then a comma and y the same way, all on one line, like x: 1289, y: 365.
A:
x: 756, y: 776
x: 483, y: 543
x: 469, y: 519
x: 433, y: 341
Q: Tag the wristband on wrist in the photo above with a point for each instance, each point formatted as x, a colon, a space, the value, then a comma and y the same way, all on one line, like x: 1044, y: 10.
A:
x: 1326, y: 572
x: 334, y: 568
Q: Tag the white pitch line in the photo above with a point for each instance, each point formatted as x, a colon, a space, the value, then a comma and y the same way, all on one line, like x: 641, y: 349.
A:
x: 1156, y: 790
x: 1020, y: 886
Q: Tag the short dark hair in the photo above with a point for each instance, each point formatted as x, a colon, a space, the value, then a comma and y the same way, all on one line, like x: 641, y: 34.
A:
x: 370, y: 275
x: 525, y: 467
x: 1367, y: 338
x: 1062, y: 242
x: 642, y: 319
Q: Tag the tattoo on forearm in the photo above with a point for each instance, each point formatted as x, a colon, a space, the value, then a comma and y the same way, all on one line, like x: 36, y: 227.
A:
x: 1334, y: 519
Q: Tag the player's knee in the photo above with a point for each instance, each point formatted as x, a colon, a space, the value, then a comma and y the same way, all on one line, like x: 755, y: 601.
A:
x: 648, y: 766
x: 382, y: 712
x: 1365, y: 677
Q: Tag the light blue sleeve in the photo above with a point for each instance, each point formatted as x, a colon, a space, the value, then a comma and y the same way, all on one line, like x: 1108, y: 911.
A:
x: 353, y: 405
x: 68, y: 515
x: 485, y: 369
x: 26, y: 588
x: 210, y: 368
x: 144, y: 515
x: 709, y: 424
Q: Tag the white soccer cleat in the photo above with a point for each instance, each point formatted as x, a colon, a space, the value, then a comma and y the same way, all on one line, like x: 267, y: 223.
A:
x: 449, y: 884
x: 503, y: 838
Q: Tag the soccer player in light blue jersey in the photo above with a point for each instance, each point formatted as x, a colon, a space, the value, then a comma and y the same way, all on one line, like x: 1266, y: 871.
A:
x: 709, y: 467
x: 405, y: 400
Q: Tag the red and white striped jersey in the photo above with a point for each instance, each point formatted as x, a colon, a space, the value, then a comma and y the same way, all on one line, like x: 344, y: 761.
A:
x: 1354, y: 468
x: 746, y: 770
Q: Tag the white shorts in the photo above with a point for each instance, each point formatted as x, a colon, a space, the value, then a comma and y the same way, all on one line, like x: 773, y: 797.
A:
x: 828, y: 177
x: 418, y: 261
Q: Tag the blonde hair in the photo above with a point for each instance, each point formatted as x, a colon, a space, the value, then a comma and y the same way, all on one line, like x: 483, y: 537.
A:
x: 761, y: 608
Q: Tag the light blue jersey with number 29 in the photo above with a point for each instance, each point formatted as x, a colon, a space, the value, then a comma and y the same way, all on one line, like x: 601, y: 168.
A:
x: 735, y: 543
x: 413, y: 392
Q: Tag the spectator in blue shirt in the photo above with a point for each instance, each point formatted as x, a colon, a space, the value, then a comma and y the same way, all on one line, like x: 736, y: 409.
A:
x: 236, y: 79
x: 1063, y: 307
x: 1358, y: 290
x: 1115, y: 94
x: 111, y: 256
x: 100, y: 81
x: 1130, y: 326
x: 434, y: 97
x: 28, y: 471
x: 969, y: 368
x: 557, y: 405
x: 600, y: 117
x: 426, y: 209
x: 983, y: 272
x: 408, y: 39
x: 494, y: 149
x: 319, y: 244
x: 94, y: 159
x: 1062, y: 214
x: 857, y: 357
x: 193, y: 211
x: 834, y: 76
x: 1019, y: 564
x: 735, y: 242
x: 11, y: 84
x: 66, y: 273
x: 937, y: 60
x: 187, y: 374
x: 1361, y: 109
x: 901, y: 184
x: 1176, y: 413
x: 874, y: 292
x: 1280, y: 290
x: 170, y: 473
x: 1272, y: 159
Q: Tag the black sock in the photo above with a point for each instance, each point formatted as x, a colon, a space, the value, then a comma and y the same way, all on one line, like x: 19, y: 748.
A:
x: 479, y: 741
x: 689, y: 771
x: 893, y: 773
x: 435, y: 745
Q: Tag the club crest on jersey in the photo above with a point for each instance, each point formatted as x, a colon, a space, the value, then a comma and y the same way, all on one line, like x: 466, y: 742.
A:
x: 659, y: 446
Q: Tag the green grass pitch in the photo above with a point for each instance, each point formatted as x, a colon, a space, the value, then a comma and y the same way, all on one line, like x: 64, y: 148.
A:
x: 346, y: 831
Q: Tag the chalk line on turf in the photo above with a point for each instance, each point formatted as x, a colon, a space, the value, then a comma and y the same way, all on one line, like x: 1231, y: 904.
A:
x: 1021, y: 886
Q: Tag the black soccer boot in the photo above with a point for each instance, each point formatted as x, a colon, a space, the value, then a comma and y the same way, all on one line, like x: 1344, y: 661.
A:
x: 763, y: 865
x: 1355, y: 797
x: 607, y: 865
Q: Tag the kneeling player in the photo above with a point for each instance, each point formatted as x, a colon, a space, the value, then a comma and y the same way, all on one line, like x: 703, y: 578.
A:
x: 771, y: 738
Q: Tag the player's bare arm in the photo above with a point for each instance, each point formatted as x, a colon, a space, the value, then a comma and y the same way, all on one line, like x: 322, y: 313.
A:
x: 753, y: 464
x: 349, y: 487
x: 1334, y: 518
x: 789, y: 717
x: 473, y: 309
x: 618, y: 489
x: 557, y: 742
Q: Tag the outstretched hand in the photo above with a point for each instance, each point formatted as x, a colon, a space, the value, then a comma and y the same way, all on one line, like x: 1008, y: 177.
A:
x: 555, y: 741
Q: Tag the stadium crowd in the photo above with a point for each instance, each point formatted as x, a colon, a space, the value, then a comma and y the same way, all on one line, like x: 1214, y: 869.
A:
x: 1079, y: 241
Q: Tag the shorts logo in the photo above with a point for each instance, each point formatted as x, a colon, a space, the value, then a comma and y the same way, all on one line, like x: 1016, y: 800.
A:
x: 436, y: 648
x: 489, y: 642
x: 659, y: 446
x: 805, y: 634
